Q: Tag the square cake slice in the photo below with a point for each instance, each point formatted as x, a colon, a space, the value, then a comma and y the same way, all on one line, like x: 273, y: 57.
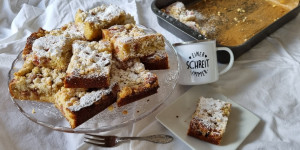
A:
x: 36, y: 83
x: 209, y: 120
x: 52, y: 52
x: 90, y: 65
x: 99, y: 18
x: 157, y: 61
x: 35, y: 35
x: 134, y: 82
x: 131, y: 41
x: 79, y: 105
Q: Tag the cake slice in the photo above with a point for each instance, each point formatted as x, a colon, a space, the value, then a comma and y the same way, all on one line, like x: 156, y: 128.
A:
x: 35, y: 35
x: 90, y: 65
x: 53, y: 52
x: 209, y: 120
x: 131, y: 41
x: 134, y: 83
x: 36, y: 83
x: 79, y: 105
x: 69, y: 30
x: 99, y: 18
x: 157, y: 61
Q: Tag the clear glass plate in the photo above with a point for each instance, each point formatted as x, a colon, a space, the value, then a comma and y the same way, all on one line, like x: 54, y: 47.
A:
x: 48, y: 115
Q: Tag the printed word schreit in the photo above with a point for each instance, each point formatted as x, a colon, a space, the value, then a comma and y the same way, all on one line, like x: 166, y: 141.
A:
x: 196, y: 64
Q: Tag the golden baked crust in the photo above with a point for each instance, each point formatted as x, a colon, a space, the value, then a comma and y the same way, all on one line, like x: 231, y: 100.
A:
x: 90, y: 65
x: 157, y: 61
x: 69, y: 30
x: 135, y: 82
x: 98, y: 18
x: 35, y: 35
x: 130, y: 41
x: 79, y: 105
x: 209, y: 120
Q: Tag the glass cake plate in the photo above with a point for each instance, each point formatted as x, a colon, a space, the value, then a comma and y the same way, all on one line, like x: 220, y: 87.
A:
x: 46, y: 114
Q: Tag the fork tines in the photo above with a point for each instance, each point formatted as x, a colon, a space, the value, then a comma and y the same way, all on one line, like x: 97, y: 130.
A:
x: 104, y: 141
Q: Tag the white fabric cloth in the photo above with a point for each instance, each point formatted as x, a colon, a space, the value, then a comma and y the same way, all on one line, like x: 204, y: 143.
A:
x: 264, y: 80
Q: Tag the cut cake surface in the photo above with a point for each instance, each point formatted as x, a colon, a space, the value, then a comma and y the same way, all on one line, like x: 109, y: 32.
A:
x: 90, y: 65
x: 134, y: 83
x: 209, y: 120
x: 131, y: 41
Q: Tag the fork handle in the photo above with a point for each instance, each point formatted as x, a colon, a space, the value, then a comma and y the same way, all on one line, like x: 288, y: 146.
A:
x: 160, y: 138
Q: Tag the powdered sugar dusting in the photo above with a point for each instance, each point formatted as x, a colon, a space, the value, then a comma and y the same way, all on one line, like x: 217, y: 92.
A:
x: 133, y: 75
x: 49, y: 46
x: 90, y: 58
x: 90, y: 98
x: 210, y: 112
x: 103, y: 13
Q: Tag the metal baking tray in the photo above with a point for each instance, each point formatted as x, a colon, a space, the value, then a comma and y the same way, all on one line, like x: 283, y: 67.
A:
x: 187, y: 34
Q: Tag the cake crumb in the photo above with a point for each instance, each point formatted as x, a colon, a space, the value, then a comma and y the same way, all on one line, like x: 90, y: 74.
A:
x: 125, y: 112
x: 177, y: 116
x: 33, y: 111
x: 110, y: 108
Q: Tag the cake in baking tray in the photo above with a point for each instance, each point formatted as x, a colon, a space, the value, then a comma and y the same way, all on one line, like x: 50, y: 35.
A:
x: 135, y: 82
x: 90, y: 65
x: 131, y: 41
x: 100, y: 17
x: 79, y: 104
x: 209, y: 120
x: 231, y: 23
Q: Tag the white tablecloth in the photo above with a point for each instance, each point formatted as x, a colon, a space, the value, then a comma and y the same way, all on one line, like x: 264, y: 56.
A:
x: 265, y: 80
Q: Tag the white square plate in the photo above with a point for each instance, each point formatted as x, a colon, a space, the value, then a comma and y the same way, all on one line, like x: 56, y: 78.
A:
x: 177, y: 116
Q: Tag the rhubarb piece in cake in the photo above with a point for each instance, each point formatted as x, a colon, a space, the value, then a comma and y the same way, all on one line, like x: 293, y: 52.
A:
x: 209, y: 120
x: 131, y: 41
x: 157, y: 61
x: 135, y: 82
x: 52, y: 52
x: 90, y: 65
x: 99, y: 18
x: 36, y: 83
x: 79, y: 105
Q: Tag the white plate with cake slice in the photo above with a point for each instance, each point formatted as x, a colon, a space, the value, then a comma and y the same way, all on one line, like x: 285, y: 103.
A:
x: 177, y: 116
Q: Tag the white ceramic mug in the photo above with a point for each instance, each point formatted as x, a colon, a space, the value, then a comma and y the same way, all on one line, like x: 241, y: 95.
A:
x: 199, y: 62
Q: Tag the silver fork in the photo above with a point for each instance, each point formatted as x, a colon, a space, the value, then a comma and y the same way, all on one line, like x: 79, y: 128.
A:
x: 111, y: 141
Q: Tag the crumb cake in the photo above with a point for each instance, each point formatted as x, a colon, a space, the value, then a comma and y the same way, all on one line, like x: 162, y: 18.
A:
x: 99, y: 18
x: 157, y: 61
x: 35, y: 35
x: 36, y: 83
x: 69, y: 30
x: 52, y: 52
x: 130, y: 41
x: 79, y: 105
x: 135, y: 82
x: 82, y: 73
x: 90, y: 65
x: 188, y: 17
x: 209, y: 120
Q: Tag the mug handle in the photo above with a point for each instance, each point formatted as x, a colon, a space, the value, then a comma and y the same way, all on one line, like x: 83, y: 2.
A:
x: 230, y: 61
